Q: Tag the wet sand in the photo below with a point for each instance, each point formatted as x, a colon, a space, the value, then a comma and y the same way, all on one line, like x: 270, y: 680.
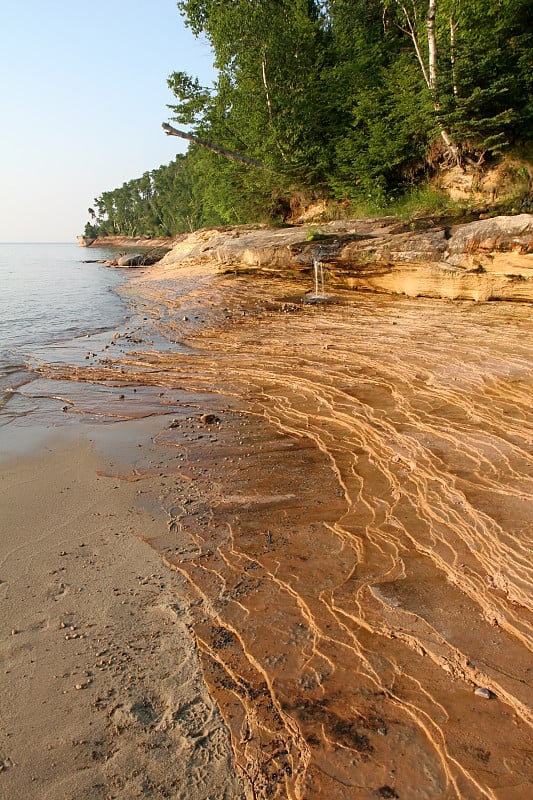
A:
x: 349, y: 526
x: 102, y: 695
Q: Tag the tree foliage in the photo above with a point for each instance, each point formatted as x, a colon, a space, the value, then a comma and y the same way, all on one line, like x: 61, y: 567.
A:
x: 350, y: 98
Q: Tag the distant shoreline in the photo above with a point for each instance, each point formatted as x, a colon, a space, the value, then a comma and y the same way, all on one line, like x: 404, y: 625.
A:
x: 143, y: 242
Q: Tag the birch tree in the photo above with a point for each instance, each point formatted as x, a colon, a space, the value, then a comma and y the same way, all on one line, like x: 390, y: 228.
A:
x: 419, y: 24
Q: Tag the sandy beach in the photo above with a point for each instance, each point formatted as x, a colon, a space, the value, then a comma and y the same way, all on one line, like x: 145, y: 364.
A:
x: 323, y: 589
x: 102, y: 694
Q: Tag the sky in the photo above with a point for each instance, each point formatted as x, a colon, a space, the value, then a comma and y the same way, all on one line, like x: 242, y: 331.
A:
x: 83, y: 94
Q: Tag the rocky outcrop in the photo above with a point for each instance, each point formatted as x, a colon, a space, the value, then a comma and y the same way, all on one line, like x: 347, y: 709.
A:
x: 483, y: 260
x: 130, y: 260
x: 500, y: 234
x: 85, y: 241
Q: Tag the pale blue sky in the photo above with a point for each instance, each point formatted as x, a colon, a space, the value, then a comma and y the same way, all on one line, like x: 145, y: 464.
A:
x: 82, y: 97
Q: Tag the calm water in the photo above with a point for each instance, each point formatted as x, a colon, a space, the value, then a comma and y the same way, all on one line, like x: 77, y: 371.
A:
x: 47, y: 295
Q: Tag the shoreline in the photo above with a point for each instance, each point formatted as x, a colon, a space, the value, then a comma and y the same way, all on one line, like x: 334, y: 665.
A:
x: 142, y: 242
x: 347, y: 502
x: 95, y: 628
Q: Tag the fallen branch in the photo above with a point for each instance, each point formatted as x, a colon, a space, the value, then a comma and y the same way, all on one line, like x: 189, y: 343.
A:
x: 221, y: 151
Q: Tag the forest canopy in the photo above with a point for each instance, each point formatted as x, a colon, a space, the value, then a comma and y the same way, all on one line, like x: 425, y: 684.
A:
x: 354, y: 100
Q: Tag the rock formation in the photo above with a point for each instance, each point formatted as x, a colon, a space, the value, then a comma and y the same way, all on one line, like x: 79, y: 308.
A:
x: 488, y: 259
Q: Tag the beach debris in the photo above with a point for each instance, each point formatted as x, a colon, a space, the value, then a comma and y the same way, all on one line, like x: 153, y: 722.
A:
x: 387, y: 792
x: 481, y: 691
x: 209, y: 419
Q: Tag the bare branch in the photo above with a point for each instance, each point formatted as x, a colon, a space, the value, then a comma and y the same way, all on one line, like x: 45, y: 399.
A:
x: 221, y: 151
x: 412, y: 33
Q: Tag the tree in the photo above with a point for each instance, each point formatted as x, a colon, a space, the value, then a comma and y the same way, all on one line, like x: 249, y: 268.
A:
x: 266, y: 100
x: 487, y: 97
x: 355, y: 98
x: 417, y: 20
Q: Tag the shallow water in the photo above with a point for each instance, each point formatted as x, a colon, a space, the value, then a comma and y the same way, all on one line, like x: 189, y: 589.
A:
x: 47, y: 294
x: 48, y: 297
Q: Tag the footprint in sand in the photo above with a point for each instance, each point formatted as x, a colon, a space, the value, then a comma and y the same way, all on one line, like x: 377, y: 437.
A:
x: 57, y: 590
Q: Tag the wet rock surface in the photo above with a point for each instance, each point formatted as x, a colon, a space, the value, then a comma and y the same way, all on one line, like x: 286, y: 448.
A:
x: 356, y: 547
x: 354, y: 530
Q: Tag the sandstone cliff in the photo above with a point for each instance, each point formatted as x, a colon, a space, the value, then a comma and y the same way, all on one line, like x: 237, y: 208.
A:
x: 489, y: 259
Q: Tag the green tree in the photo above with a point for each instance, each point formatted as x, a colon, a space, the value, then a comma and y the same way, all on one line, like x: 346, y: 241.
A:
x: 267, y: 99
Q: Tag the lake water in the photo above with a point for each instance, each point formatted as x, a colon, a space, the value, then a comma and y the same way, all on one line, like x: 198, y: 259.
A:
x: 49, y: 296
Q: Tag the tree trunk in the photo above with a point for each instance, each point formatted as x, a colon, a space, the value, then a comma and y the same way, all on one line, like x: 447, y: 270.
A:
x: 432, y: 46
x: 429, y: 72
x: 221, y: 151
x: 453, y: 28
x: 265, y: 84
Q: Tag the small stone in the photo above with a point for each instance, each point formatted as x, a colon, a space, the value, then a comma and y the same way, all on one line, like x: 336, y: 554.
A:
x: 209, y: 419
x: 14, y: 632
x: 481, y: 691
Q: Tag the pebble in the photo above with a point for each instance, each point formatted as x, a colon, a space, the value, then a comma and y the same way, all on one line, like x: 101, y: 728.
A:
x: 481, y: 691
x: 209, y: 419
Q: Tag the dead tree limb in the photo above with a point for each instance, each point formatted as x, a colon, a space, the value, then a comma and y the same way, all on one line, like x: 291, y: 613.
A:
x: 221, y: 151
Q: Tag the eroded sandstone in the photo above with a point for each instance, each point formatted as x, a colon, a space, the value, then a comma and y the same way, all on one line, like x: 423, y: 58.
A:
x: 355, y: 528
x: 489, y: 259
